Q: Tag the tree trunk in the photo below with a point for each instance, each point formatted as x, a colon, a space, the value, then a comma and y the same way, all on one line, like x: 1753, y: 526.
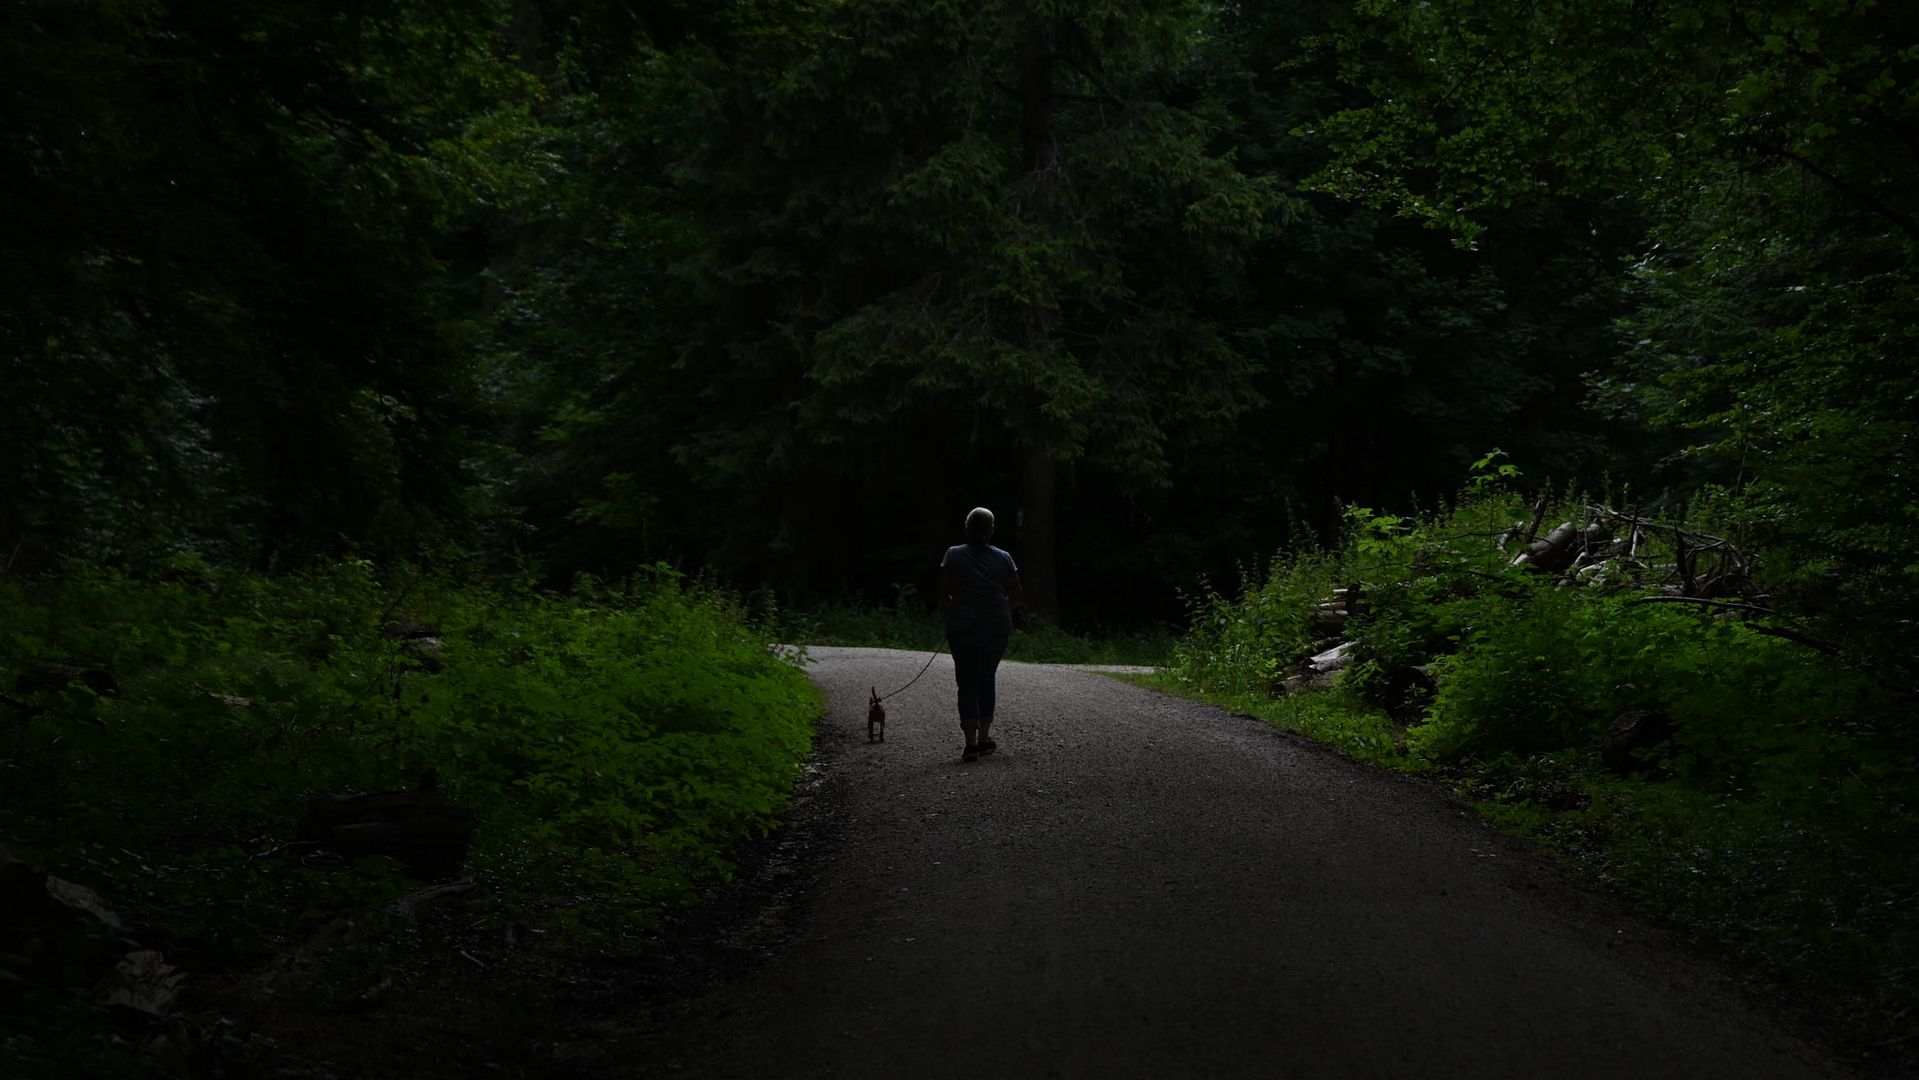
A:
x: 1040, y: 155
x: 1039, y: 508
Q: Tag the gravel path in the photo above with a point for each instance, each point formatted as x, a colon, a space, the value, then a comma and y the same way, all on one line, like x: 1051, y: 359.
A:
x: 1141, y: 886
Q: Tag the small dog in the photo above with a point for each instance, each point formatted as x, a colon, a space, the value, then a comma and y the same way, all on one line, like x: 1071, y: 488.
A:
x: 876, y: 719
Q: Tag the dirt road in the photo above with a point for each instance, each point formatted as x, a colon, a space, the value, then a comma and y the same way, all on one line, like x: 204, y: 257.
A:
x: 1140, y: 886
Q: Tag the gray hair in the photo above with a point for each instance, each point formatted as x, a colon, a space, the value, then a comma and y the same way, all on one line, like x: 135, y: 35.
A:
x: 979, y: 525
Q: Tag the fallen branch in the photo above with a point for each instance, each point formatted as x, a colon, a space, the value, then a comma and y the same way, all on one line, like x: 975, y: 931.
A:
x: 1539, y: 515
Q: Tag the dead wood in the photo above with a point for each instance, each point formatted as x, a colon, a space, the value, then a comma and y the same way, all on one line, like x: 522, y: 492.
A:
x: 1555, y: 552
x: 1539, y: 515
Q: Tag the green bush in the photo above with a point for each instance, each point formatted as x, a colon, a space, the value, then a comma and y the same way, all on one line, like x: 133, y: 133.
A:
x: 614, y: 743
x: 1245, y: 644
x: 640, y: 732
x: 1778, y: 815
x: 907, y: 625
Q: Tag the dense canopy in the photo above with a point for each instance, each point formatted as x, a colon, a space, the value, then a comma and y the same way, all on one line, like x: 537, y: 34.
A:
x: 778, y: 289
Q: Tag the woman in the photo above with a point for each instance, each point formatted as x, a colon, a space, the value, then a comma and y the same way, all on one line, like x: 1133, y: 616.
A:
x: 979, y: 587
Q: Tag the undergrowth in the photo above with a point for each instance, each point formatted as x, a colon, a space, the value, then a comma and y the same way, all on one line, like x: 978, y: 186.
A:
x: 1777, y: 817
x: 906, y: 625
x: 614, y: 743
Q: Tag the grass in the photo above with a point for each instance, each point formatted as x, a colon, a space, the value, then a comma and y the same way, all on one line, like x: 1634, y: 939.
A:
x: 1817, y: 892
x: 1776, y: 817
x: 1036, y: 641
x: 614, y: 744
x: 1332, y: 717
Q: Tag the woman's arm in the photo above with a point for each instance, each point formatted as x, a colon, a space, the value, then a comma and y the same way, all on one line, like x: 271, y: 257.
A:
x: 1015, y: 592
x: 946, y: 589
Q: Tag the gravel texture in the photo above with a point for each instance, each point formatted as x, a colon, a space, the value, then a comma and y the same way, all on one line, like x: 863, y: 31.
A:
x: 1140, y: 886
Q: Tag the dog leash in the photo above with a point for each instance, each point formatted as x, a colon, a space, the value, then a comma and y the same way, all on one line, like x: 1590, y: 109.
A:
x: 924, y: 670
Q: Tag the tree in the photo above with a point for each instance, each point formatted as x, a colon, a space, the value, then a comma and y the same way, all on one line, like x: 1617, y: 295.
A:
x: 1769, y: 144
x: 227, y: 328
x: 993, y: 223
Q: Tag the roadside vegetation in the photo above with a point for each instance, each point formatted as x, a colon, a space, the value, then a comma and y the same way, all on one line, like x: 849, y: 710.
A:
x: 1723, y: 764
x: 161, y: 738
x: 774, y: 290
x: 908, y: 625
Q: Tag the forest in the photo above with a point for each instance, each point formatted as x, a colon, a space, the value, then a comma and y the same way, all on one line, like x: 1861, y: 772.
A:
x: 458, y: 396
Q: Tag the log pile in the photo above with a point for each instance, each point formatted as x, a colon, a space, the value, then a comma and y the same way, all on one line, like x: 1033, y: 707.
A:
x: 1614, y: 548
x: 1331, y: 653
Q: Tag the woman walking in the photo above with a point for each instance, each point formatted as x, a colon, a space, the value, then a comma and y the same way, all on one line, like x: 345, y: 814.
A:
x: 979, y: 588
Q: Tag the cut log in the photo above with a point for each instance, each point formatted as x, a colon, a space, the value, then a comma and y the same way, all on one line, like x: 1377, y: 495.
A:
x: 1333, y: 659
x: 1553, y: 553
x: 1354, y: 597
x: 1634, y: 730
x: 1322, y: 645
x: 1407, y: 689
x: 419, y: 828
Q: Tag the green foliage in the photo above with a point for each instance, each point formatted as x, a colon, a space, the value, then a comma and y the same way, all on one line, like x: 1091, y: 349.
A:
x: 1774, y: 814
x: 1037, y: 641
x: 634, y: 733
x: 1766, y: 147
x: 1241, y: 646
x: 614, y: 743
x: 226, y: 326
x: 1336, y: 717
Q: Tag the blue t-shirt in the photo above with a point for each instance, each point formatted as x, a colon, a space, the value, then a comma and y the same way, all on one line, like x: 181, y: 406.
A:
x: 978, y: 574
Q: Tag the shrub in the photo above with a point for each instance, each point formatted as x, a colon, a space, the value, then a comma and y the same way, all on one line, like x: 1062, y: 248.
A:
x: 1244, y: 644
x: 1778, y: 815
x: 614, y: 743
x: 907, y: 625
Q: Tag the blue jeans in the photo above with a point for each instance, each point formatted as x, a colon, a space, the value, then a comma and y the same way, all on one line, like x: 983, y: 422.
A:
x: 976, y: 656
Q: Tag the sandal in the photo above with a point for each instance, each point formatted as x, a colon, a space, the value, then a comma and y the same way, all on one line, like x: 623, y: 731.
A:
x: 969, y: 754
x: 986, y: 746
